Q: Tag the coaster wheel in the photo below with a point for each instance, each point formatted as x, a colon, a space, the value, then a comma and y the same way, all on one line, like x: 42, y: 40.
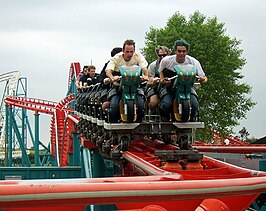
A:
x: 124, y: 141
x: 130, y: 111
x: 183, y: 142
x: 185, y: 110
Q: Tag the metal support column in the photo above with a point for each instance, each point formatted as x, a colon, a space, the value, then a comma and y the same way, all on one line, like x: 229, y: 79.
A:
x: 98, y: 165
x: 36, y: 141
x: 25, y: 158
x: 6, y: 136
x: 76, y: 150
x: 23, y: 132
x: 9, y: 137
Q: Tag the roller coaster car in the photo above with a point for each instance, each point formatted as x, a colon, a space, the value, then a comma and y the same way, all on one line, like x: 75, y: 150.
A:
x: 94, y: 103
x: 101, y: 98
x: 88, y: 102
x: 112, y: 138
x: 79, y: 100
x: 86, y: 108
x: 120, y: 133
x: 82, y: 101
x: 184, y: 81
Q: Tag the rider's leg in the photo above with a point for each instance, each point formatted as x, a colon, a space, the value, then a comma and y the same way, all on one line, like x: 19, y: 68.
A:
x: 154, y: 101
x: 105, y: 102
x: 194, y: 108
x: 114, y: 114
x: 166, y: 106
x: 106, y: 105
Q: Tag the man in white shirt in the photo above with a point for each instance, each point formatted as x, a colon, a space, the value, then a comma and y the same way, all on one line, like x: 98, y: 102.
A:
x: 166, y: 69
x: 127, y: 57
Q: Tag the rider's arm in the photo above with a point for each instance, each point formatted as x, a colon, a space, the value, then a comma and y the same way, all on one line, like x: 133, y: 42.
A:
x: 163, y: 80
x: 145, y: 71
x: 161, y: 76
x: 142, y: 62
x: 77, y: 84
x: 145, y: 74
x: 202, y: 77
x: 112, y: 65
x: 81, y: 82
x: 109, y: 74
x: 161, y: 68
x: 151, y: 71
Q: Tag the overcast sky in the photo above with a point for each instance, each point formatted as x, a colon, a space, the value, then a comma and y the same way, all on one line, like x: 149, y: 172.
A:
x: 42, y: 38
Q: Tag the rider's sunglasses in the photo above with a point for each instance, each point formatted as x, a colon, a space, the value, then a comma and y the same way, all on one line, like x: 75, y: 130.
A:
x: 162, y: 55
x: 181, y: 51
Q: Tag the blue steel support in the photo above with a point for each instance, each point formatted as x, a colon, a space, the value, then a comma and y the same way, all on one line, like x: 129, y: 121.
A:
x: 87, y: 168
x: 24, y: 133
x: 25, y: 158
x: 32, y: 138
x: 99, y: 170
x: 72, y: 88
x: 76, y: 151
x: 98, y: 165
x: 30, y: 131
x: 87, y: 162
x: 9, y: 137
x: 36, y: 143
x: 47, y: 156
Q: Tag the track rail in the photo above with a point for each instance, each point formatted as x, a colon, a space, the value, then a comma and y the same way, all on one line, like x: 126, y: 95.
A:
x: 247, y: 149
x: 74, y: 72
x: 61, y: 124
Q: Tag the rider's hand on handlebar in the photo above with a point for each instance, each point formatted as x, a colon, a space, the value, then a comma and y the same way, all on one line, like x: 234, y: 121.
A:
x: 156, y: 80
x: 203, y: 79
x: 116, y: 78
x: 106, y: 81
x: 165, y: 81
x: 144, y: 78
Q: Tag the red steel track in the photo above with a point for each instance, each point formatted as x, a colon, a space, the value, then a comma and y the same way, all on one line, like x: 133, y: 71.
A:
x: 62, y: 125
x: 247, y: 149
x: 62, y: 121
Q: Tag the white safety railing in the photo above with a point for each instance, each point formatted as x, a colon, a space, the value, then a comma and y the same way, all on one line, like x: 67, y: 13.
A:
x: 9, y: 83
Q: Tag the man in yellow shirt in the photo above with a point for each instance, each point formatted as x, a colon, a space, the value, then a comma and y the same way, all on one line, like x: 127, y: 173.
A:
x: 127, y: 57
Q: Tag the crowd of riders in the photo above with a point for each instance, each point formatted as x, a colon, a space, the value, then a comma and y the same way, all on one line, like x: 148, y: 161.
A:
x: 155, y: 94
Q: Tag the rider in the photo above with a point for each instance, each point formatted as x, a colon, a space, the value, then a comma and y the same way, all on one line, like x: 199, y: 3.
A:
x: 166, y: 69
x: 82, y: 77
x: 152, y: 91
x: 103, y: 76
x: 93, y: 77
x: 105, y: 81
x: 127, y: 57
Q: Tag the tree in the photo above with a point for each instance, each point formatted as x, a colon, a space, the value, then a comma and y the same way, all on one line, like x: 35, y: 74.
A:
x: 224, y: 99
x: 244, y: 134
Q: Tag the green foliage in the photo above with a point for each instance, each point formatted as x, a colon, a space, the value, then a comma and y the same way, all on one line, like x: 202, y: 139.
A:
x: 244, y: 134
x: 223, y: 100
